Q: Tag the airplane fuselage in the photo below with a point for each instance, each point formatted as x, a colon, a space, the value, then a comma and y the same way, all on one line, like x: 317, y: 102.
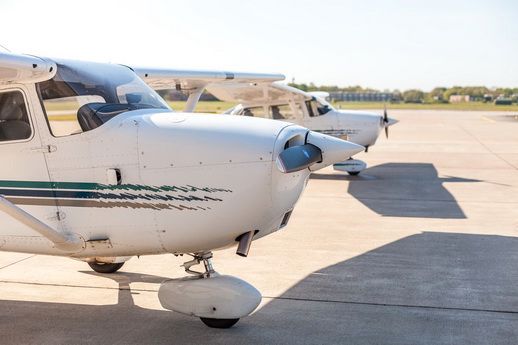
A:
x: 362, y: 128
x: 178, y: 175
x: 96, y: 166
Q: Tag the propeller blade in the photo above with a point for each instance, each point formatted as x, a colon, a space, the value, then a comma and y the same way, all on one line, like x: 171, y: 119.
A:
x: 298, y: 158
x: 385, y: 119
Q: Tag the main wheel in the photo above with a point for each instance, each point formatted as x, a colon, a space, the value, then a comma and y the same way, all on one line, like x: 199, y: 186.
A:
x: 353, y: 173
x: 219, y: 323
x: 102, y: 267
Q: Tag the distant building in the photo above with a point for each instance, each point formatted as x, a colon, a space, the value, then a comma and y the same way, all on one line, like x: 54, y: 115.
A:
x: 488, y: 97
x: 342, y: 96
x: 501, y: 100
x: 459, y: 98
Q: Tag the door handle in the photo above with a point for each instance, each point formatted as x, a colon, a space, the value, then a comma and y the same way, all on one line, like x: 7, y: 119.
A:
x: 44, y: 149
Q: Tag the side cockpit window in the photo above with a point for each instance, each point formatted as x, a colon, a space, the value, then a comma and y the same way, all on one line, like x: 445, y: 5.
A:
x: 14, y: 120
x: 254, y: 111
x: 317, y: 107
x: 285, y: 111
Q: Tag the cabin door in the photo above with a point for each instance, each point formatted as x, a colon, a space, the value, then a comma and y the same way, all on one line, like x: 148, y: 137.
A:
x: 24, y: 178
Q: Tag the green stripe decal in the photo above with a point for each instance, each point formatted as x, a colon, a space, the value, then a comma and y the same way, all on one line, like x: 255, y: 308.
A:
x: 48, y: 185
x: 87, y: 194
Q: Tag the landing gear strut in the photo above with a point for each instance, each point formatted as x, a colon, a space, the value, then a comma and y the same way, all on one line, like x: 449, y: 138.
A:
x: 218, y: 300
x: 206, y: 259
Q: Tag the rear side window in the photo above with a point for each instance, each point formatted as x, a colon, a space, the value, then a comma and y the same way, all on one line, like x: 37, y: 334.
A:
x: 254, y: 111
x: 14, y: 120
x: 284, y: 111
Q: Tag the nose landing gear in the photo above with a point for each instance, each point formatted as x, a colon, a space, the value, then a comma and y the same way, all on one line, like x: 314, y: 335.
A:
x: 351, y: 166
x: 218, y: 300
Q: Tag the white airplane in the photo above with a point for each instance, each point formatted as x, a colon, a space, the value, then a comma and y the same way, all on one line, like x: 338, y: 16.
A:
x: 282, y: 102
x: 97, y: 167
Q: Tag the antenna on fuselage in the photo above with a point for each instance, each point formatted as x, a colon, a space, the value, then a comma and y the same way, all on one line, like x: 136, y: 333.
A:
x: 2, y: 46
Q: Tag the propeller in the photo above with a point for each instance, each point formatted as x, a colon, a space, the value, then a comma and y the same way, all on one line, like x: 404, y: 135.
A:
x: 386, y: 121
x: 297, y: 158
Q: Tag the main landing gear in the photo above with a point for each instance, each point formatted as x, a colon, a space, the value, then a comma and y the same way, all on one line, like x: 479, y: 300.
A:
x: 107, y: 264
x: 218, y: 300
x: 103, y: 267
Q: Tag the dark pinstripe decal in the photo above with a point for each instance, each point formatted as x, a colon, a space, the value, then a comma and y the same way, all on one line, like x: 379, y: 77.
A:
x: 103, y: 196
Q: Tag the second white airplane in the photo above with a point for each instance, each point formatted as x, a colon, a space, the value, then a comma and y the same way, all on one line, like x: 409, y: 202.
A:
x: 282, y: 102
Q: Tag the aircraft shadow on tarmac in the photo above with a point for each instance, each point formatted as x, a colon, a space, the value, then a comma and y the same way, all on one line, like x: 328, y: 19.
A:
x: 422, y: 289
x: 403, y: 190
x: 428, y: 288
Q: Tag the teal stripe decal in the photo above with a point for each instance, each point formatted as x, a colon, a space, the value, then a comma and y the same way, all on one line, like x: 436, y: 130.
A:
x: 48, y: 185
x: 85, y: 194
x: 97, y: 186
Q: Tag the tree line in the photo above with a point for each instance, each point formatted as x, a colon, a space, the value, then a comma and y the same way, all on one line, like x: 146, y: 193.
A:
x: 437, y: 95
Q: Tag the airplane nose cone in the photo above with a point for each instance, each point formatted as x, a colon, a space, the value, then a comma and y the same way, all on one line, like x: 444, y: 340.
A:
x: 334, y: 150
x: 390, y: 121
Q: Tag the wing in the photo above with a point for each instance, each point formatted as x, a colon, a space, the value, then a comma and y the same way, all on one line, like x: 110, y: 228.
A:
x: 160, y: 79
x: 16, y: 68
x: 194, y: 82
x: 257, y: 93
x: 319, y: 94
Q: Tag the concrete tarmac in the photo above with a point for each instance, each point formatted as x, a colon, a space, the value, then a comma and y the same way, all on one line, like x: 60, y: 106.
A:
x: 421, y: 248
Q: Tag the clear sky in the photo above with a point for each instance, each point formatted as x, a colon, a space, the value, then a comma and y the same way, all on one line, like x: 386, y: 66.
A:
x: 382, y: 44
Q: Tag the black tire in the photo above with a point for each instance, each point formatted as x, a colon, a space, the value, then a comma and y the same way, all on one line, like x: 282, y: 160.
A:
x: 219, y: 323
x: 101, y: 267
x: 353, y: 173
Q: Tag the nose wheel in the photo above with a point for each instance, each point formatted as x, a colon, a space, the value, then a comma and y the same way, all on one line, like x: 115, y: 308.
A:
x: 219, y: 323
x: 351, y: 166
x: 206, y: 260
x: 218, y: 300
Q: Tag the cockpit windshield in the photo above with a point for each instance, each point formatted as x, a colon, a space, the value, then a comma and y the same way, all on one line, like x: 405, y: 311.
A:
x: 324, y: 104
x: 84, y: 95
x: 318, y: 106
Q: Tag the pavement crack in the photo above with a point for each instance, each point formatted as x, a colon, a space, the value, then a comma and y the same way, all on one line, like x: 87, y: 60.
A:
x: 14, y: 263
x: 76, y: 286
x: 396, y: 305
x: 487, y: 148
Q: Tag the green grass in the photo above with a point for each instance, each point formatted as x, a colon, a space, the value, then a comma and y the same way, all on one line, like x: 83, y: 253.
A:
x: 62, y: 117
x: 204, y: 106
x: 433, y: 106
x: 218, y: 107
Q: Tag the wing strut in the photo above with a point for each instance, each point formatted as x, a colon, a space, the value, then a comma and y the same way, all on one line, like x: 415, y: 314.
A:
x: 67, y: 242
x: 192, y: 101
